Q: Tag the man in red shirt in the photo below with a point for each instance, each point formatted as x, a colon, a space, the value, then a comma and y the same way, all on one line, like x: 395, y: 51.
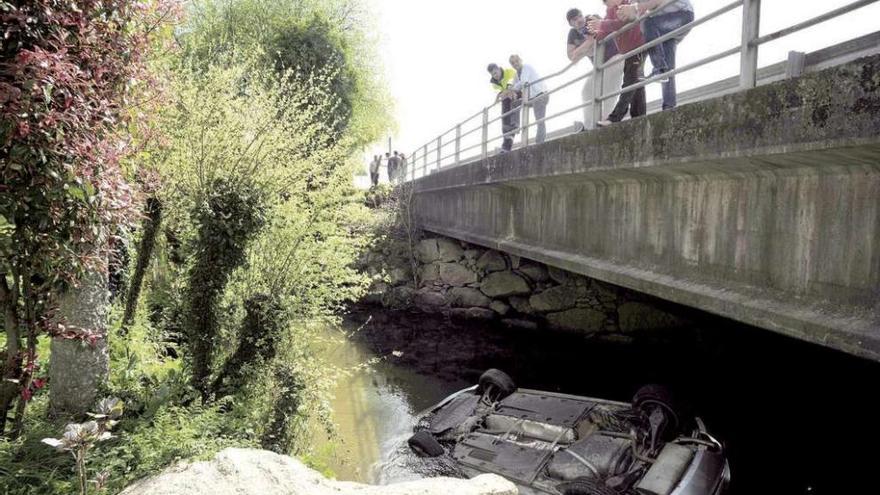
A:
x: 633, y: 67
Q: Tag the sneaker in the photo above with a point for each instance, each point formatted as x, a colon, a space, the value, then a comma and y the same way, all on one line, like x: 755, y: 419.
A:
x: 604, y: 123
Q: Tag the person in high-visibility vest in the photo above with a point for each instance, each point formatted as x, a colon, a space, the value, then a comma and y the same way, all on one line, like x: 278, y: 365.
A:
x: 503, y: 81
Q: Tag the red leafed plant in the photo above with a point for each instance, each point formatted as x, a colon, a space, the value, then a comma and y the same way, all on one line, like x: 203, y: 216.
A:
x: 72, y: 74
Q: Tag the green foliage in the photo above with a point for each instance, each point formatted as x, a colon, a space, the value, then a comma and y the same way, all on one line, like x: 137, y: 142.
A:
x: 232, y: 213
x: 298, y: 39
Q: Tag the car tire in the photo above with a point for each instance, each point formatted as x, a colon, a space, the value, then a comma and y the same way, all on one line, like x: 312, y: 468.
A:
x: 499, y: 382
x: 425, y: 445
x: 586, y: 486
x: 658, y: 395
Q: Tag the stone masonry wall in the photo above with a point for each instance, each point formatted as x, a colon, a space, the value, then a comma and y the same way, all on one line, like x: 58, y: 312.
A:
x: 474, y: 283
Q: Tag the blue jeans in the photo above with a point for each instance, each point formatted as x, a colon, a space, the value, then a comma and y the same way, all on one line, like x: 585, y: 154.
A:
x: 663, y: 55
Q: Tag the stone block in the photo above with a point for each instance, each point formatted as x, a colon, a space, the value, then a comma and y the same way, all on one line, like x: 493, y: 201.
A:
x: 428, y: 299
x: 492, y: 261
x: 579, y: 319
x: 448, y: 250
x: 557, y: 298
x: 429, y: 273
x: 467, y: 297
x: 499, y: 307
x: 535, y: 273
x: 456, y: 275
x: 427, y: 251
x: 504, y: 284
x: 559, y: 275
x: 472, y: 254
x: 521, y: 305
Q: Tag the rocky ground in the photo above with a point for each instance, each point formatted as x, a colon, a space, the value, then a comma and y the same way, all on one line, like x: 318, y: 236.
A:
x: 259, y: 472
x: 470, y: 282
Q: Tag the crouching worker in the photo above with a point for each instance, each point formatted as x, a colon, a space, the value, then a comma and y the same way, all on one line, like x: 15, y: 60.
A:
x: 502, y: 81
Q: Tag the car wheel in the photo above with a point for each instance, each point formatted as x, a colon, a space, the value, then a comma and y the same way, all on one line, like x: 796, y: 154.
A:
x: 586, y: 486
x: 496, y: 383
x: 650, y: 396
x: 425, y: 445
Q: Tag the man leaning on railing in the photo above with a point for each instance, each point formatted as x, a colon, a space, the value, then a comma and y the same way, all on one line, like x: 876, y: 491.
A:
x: 580, y: 44
x: 667, y: 19
x: 537, y: 96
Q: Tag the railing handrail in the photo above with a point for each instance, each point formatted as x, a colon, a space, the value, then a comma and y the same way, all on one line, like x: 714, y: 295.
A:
x: 749, y: 42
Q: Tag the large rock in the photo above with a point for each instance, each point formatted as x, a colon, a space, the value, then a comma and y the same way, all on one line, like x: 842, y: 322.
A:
x: 635, y: 316
x: 429, y: 300
x: 457, y: 275
x: 554, y: 299
x: 467, y: 297
x: 258, y: 472
x: 492, y: 261
x: 499, y: 307
x: 399, y: 276
x: 521, y: 305
x: 580, y: 319
x: 427, y: 251
x: 429, y: 273
x: 559, y: 275
x: 535, y: 273
x: 448, y: 250
x: 504, y: 284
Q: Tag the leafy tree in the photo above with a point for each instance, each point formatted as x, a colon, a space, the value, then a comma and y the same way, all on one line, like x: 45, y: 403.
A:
x: 301, y: 38
x: 69, y: 69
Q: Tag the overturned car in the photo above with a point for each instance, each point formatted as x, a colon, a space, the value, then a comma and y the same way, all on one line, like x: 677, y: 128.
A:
x: 561, y: 444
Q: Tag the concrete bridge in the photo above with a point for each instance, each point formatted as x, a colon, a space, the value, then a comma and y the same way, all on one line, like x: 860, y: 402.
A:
x: 762, y: 206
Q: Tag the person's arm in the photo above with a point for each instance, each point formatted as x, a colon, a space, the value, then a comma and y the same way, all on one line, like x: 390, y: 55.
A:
x: 575, y: 53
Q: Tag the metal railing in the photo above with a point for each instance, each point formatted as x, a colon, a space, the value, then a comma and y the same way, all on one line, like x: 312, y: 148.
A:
x: 448, y: 146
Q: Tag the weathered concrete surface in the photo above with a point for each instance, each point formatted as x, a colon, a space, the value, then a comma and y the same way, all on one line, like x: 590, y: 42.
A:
x: 761, y: 206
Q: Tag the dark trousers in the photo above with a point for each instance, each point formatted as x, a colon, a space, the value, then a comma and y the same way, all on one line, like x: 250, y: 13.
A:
x: 632, y: 101
x: 663, y: 55
x: 510, y: 123
x: 374, y: 178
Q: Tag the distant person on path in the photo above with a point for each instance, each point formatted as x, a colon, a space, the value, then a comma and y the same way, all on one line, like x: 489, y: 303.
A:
x: 388, y: 165
x: 393, y: 167
x: 502, y: 81
x: 374, y: 170
x: 581, y: 44
x: 403, y: 167
x: 537, y: 97
x: 633, y: 67
x: 669, y: 18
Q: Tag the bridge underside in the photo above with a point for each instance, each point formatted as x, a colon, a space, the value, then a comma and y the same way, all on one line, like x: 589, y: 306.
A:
x: 762, y: 206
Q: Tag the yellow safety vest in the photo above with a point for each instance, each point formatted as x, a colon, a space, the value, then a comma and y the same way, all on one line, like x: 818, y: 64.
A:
x: 506, y: 79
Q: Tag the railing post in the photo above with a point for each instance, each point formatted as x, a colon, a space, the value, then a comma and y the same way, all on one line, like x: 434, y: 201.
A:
x: 598, y: 84
x: 439, y: 150
x: 425, y: 160
x: 525, y: 116
x: 748, y: 75
x: 457, y: 144
x: 485, y: 133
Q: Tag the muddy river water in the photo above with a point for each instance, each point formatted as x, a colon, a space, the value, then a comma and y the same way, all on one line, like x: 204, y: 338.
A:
x: 795, y: 418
